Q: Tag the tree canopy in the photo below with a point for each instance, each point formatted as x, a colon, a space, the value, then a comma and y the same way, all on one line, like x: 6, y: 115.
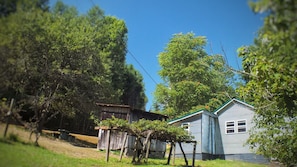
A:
x: 58, y: 61
x: 192, y: 78
x: 272, y: 81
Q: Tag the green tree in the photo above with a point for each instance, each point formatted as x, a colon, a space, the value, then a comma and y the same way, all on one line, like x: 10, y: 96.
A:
x: 272, y: 81
x: 133, y: 94
x: 10, y: 6
x: 192, y: 78
x: 59, y: 61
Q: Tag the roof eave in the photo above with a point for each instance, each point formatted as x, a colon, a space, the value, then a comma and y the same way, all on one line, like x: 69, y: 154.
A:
x: 231, y: 101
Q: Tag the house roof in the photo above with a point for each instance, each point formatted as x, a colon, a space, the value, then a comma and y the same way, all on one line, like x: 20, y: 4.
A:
x: 186, y: 116
x: 217, y: 111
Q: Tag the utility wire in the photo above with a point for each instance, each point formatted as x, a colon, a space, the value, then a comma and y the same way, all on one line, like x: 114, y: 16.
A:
x: 147, y: 73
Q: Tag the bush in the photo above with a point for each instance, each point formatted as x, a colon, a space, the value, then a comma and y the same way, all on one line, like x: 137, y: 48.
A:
x: 13, y: 137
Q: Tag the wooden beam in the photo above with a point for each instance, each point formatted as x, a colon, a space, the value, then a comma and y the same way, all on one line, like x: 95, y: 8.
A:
x: 181, y: 148
x: 144, y: 146
x: 135, y: 150
x: 174, y: 148
x: 108, y: 144
x: 194, y: 153
x: 123, y: 146
x: 169, y: 155
x: 8, y: 115
x: 147, y: 150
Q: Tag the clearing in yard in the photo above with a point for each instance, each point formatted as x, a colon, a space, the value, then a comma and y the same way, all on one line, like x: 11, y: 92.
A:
x: 55, y: 152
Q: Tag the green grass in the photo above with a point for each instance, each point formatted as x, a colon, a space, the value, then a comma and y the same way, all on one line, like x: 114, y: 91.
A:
x: 15, y: 154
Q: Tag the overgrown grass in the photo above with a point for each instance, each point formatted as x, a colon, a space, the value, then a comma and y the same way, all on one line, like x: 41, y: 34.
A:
x: 14, y: 154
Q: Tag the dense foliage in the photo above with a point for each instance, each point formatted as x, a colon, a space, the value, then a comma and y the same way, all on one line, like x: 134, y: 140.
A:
x: 272, y: 81
x: 192, y: 78
x: 159, y: 129
x: 58, y: 61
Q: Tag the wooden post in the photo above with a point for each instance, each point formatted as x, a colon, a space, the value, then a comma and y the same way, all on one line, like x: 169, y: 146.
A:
x: 135, y: 150
x: 145, y: 145
x: 169, y: 155
x: 181, y: 148
x: 108, y: 144
x: 8, y: 117
x: 123, y: 145
x: 147, y: 150
x: 174, y: 148
x: 194, y: 153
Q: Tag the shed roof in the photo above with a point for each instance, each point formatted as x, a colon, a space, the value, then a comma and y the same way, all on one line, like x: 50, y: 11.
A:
x: 112, y: 105
x: 132, y: 110
x: 232, y: 101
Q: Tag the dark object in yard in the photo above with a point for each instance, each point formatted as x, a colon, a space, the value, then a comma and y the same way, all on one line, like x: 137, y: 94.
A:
x: 64, y: 134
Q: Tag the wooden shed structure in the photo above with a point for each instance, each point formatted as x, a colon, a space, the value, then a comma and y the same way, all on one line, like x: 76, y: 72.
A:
x: 157, y: 148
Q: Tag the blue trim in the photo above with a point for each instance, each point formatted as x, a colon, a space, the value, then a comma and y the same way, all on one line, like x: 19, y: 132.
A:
x: 186, y: 116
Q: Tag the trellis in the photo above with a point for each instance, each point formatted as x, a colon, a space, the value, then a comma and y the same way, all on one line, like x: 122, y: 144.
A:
x: 178, y: 136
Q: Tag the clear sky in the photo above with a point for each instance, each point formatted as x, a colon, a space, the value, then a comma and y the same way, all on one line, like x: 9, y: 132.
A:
x: 226, y: 24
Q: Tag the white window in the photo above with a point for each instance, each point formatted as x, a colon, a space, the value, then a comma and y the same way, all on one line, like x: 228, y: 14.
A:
x: 238, y: 126
x: 230, y: 127
x: 241, y: 126
x: 186, y: 126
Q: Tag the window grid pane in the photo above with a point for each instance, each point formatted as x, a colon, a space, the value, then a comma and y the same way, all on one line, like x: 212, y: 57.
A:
x: 241, y: 126
x: 230, y: 127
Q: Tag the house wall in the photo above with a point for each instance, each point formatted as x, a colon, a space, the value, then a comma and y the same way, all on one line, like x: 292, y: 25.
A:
x: 234, y: 143
x: 208, y: 131
x: 196, y: 131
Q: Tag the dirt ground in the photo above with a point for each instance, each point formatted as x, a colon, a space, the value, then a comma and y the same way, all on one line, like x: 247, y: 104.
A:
x: 54, y: 144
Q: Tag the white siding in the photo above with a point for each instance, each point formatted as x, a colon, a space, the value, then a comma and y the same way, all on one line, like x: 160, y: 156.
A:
x: 195, y: 130
x: 234, y: 143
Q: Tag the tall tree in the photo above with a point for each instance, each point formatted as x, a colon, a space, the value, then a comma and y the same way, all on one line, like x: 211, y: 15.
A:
x: 272, y: 81
x: 192, y: 78
x: 60, y: 61
x: 133, y: 94
x: 10, y: 6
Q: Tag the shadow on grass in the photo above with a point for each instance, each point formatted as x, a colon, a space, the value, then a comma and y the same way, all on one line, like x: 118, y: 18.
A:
x: 13, y: 138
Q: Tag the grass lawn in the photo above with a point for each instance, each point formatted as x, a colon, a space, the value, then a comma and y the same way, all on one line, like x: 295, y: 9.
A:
x: 62, y: 154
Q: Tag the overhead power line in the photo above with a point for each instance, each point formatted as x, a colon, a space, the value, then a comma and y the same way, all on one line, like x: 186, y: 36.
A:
x: 147, y: 73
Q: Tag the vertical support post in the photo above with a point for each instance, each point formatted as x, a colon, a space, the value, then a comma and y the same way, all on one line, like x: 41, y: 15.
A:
x: 181, y: 148
x: 194, y: 153
x: 144, y: 146
x: 8, y: 117
x: 147, y: 150
x: 170, y: 151
x: 108, y: 144
x: 123, y: 145
x: 135, y: 150
x: 174, y: 148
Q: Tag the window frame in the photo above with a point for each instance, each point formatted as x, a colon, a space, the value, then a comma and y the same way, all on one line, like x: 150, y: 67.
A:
x: 187, y: 124
x: 236, y: 127
x: 230, y: 127
x: 240, y: 126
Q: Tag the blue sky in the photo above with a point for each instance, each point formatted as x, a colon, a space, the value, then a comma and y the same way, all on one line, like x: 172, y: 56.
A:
x: 152, y: 23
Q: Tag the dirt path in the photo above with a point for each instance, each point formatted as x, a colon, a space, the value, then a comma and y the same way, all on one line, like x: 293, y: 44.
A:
x: 55, y: 145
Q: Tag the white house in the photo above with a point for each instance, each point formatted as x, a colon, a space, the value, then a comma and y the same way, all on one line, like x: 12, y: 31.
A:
x: 221, y: 134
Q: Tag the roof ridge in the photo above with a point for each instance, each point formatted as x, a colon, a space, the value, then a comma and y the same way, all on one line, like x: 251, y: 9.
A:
x: 228, y: 102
